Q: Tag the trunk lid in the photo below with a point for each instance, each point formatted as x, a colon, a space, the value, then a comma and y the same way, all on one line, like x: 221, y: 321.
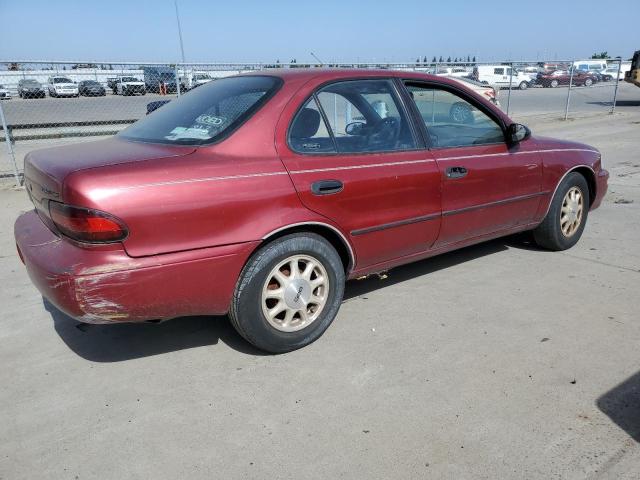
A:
x: 45, y: 170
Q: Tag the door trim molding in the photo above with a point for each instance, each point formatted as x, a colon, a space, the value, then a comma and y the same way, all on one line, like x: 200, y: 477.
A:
x: 519, y: 198
x: 399, y: 223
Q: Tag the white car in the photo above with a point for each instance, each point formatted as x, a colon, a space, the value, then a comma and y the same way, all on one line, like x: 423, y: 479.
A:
x: 62, y: 87
x: 487, y: 91
x: 453, y: 71
x: 4, y: 93
x: 129, y: 86
x: 612, y: 70
x: 193, y: 80
x: 501, y: 76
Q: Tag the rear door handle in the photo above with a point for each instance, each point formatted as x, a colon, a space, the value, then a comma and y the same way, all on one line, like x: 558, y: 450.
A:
x: 456, y: 172
x: 326, y: 187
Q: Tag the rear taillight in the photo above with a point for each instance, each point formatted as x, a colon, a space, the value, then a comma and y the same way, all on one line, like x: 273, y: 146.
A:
x: 86, y: 225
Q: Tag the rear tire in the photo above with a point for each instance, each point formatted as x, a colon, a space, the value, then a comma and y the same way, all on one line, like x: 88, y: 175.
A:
x: 567, y: 216
x: 523, y: 85
x: 554, y: 83
x: 588, y: 82
x: 277, y: 310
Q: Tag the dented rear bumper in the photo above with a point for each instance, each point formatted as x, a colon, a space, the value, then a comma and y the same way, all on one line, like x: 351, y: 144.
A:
x: 105, y: 285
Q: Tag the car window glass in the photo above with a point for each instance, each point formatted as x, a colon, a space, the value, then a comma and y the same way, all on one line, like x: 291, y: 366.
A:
x: 451, y: 121
x: 308, y: 132
x: 498, y: 71
x: 365, y: 116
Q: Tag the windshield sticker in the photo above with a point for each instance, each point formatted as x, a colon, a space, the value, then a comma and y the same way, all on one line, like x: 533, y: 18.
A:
x: 210, y: 120
x: 192, y: 133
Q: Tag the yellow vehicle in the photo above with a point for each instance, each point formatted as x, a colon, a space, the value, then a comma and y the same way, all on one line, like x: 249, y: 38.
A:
x: 633, y: 75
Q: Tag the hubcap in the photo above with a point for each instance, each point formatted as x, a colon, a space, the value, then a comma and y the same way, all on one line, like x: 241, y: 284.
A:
x: 571, y: 212
x: 295, y: 293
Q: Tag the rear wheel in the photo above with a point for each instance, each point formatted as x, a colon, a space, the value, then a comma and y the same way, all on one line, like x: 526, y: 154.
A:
x: 554, y: 83
x: 523, y: 85
x: 588, y: 82
x: 288, y: 293
x: 567, y: 216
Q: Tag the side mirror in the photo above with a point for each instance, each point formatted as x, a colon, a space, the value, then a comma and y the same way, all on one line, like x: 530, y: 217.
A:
x: 517, y: 132
x: 354, y: 128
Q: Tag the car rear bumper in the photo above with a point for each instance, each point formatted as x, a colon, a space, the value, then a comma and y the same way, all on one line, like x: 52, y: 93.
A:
x: 105, y: 285
x: 602, y: 184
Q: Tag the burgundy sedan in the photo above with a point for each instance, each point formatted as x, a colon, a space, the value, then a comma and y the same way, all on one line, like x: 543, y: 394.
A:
x: 563, y: 77
x: 258, y: 195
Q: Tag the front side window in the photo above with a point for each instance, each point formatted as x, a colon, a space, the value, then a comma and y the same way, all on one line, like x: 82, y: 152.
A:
x: 364, y: 116
x: 452, y: 121
x: 206, y: 114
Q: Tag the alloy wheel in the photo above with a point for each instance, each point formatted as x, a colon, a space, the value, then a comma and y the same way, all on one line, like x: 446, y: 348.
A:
x: 295, y: 293
x: 571, y: 212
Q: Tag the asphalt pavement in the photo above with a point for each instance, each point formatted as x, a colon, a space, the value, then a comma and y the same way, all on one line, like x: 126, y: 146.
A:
x: 499, y: 361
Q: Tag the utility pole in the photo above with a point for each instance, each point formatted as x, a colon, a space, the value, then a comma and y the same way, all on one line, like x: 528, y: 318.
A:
x: 175, y: 3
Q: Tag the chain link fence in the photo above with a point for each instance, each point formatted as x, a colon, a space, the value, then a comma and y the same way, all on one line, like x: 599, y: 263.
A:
x: 51, y: 103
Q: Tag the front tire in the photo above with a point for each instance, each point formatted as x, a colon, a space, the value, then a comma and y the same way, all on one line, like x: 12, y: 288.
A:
x: 567, y: 216
x: 288, y: 293
x: 588, y: 82
x: 554, y: 83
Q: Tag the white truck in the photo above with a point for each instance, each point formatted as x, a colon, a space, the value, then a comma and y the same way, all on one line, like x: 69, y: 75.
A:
x: 501, y: 76
x: 192, y: 80
x: 128, y: 86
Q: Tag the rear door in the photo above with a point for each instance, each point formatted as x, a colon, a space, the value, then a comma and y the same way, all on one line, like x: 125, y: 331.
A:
x: 355, y: 158
x: 487, y: 186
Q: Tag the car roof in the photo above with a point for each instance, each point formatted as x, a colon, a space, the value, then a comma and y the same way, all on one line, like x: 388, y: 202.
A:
x: 328, y: 74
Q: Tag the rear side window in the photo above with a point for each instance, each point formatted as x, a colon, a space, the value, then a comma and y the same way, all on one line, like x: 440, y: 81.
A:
x: 498, y: 71
x: 364, y: 116
x: 206, y: 114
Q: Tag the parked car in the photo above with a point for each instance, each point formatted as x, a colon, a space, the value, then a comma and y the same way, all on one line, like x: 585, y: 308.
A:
x: 593, y: 66
x: 62, y: 87
x: 129, y: 86
x: 454, y: 71
x: 488, y: 92
x: 501, y: 76
x: 562, y: 77
x: 259, y: 195
x: 91, y: 88
x: 4, y: 93
x: 193, y: 80
x: 30, y: 88
x: 612, y: 69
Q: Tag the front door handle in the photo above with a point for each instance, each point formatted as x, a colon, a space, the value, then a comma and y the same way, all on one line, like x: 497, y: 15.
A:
x: 326, y: 187
x: 456, y: 172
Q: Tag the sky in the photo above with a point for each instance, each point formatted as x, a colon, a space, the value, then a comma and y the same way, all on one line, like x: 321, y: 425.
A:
x: 336, y: 31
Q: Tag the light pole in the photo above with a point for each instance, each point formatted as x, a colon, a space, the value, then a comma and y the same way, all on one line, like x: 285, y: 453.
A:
x: 175, y: 3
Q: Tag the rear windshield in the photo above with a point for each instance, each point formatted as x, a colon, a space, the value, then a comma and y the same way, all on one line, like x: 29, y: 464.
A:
x: 205, y: 114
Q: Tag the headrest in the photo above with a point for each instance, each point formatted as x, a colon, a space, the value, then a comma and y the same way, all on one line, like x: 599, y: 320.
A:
x: 306, y: 123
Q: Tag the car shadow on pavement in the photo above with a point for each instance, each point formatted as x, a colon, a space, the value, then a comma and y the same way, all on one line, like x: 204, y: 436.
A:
x: 622, y: 405
x: 125, y: 341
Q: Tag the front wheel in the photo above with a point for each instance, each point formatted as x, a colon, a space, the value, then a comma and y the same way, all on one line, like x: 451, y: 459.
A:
x: 288, y: 293
x: 588, y: 82
x: 554, y: 83
x: 567, y: 216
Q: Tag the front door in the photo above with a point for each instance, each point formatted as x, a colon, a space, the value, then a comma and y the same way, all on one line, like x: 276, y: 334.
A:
x: 487, y: 186
x: 354, y: 158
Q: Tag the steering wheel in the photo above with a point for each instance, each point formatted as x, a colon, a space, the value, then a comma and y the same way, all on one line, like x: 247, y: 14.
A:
x: 384, y: 134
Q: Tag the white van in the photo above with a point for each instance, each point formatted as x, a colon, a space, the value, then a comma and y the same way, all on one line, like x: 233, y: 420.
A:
x: 501, y: 76
x: 593, y: 66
